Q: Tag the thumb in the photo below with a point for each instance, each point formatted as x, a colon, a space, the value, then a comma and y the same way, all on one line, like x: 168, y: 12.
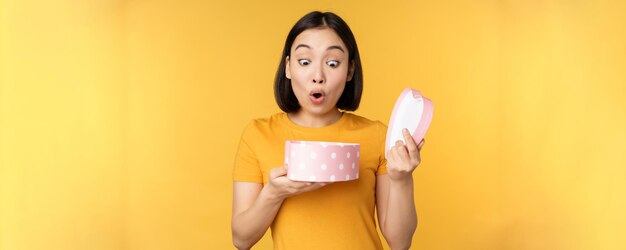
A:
x: 277, y: 172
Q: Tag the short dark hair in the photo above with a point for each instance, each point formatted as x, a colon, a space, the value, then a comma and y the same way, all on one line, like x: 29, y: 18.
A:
x: 351, y: 96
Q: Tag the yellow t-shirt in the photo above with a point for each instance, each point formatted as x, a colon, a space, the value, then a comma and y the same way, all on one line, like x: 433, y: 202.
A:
x: 337, y: 216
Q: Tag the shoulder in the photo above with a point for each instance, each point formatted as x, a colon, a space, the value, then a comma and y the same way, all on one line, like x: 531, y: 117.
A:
x: 359, y: 122
x: 262, y: 125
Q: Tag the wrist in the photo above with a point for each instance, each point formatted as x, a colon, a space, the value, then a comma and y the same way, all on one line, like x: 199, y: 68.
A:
x: 271, y: 194
x: 402, y: 181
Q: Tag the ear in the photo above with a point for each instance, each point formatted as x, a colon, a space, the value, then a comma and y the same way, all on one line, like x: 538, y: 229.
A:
x: 350, y: 71
x: 287, y: 73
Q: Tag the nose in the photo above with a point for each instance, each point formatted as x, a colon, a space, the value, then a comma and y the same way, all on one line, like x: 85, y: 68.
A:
x: 318, y: 77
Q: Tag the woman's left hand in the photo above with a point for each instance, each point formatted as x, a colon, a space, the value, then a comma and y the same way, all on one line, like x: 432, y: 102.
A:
x: 403, y: 159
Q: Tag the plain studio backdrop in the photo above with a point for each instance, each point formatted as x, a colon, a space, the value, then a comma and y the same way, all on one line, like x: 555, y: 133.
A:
x: 119, y: 120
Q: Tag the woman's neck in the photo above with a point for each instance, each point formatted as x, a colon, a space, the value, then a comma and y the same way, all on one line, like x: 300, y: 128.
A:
x: 304, y: 119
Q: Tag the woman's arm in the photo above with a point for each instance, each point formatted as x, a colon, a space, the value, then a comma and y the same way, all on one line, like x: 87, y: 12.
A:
x: 396, y: 211
x: 254, y: 209
x: 255, y: 206
x: 395, y: 202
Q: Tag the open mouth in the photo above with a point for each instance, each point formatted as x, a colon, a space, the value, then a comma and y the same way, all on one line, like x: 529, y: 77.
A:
x: 317, y: 93
x: 317, y: 97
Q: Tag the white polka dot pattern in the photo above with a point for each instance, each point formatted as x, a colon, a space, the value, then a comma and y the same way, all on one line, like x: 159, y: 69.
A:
x: 335, y: 161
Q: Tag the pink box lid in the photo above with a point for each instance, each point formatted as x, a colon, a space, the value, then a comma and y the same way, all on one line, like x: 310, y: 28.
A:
x: 412, y: 111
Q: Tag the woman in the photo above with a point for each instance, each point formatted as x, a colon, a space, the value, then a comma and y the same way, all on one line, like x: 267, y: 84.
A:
x: 319, y: 78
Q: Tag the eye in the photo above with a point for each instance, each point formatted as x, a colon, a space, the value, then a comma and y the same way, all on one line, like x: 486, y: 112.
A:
x: 304, y: 62
x: 333, y: 63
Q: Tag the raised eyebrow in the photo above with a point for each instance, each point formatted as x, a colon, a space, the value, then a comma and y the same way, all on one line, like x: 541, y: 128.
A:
x: 329, y: 47
x: 302, y: 46
x: 336, y: 47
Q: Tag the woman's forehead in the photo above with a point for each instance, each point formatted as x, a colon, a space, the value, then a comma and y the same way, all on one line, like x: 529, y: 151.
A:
x: 318, y: 39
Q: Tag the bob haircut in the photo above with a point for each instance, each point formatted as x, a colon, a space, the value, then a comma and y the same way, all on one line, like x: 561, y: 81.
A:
x: 351, y: 96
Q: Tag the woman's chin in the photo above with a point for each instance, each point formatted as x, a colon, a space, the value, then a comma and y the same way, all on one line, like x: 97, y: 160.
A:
x: 319, y: 110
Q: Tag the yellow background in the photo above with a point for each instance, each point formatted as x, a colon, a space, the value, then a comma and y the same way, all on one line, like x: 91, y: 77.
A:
x: 119, y: 119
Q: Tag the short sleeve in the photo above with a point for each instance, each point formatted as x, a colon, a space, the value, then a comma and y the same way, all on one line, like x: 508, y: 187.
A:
x: 382, y: 161
x: 246, y: 167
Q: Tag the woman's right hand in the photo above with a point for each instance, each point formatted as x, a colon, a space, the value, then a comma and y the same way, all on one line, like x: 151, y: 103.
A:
x: 282, y: 187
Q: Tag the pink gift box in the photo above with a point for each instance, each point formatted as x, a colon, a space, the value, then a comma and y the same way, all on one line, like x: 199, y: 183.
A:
x: 411, y: 111
x: 316, y: 161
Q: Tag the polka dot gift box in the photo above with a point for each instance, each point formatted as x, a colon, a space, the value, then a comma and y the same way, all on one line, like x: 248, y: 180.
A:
x: 317, y: 161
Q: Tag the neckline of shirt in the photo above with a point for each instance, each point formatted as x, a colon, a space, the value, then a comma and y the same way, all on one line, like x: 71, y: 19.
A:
x: 290, y: 123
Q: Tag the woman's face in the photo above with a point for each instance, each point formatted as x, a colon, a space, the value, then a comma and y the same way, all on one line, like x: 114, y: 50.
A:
x: 318, y: 69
